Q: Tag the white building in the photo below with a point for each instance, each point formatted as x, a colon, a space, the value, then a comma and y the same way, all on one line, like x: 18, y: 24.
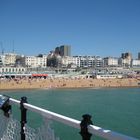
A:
x: 2, y: 60
x: 111, y: 61
x: 89, y: 61
x: 98, y: 61
x: 126, y: 62
x: 70, y: 60
x: 36, y: 61
x: 136, y: 63
x: 9, y: 59
x: 83, y: 61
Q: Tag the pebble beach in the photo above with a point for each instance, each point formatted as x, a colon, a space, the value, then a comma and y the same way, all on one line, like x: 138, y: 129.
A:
x: 6, y: 84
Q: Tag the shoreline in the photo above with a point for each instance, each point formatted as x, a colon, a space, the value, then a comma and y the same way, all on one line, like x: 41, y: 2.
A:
x: 47, y: 84
x: 18, y: 89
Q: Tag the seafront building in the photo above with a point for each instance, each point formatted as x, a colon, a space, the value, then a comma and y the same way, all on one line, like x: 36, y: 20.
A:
x: 36, y: 61
x: 126, y: 55
x: 88, y: 61
x: 54, y: 60
x: 2, y: 58
x: 83, y: 61
x: 125, y: 62
x: 20, y: 61
x: 60, y: 59
x: 73, y: 61
x: 111, y: 62
x: 65, y: 50
x: 9, y: 59
x: 125, y: 59
x: 135, y: 63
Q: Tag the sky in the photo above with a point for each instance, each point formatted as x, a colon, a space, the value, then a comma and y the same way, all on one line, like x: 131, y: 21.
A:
x: 90, y: 27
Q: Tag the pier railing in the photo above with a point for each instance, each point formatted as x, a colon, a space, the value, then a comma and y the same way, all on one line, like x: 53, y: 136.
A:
x: 91, y: 129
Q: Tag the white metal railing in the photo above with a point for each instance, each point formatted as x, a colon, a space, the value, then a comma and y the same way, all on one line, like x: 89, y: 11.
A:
x: 95, y: 130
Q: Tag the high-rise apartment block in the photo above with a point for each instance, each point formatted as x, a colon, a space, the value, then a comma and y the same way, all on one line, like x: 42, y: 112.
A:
x: 126, y: 55
x: 57, y: 50
x: 63, y: 50
x: 126, y: 59
x: 139, y: 55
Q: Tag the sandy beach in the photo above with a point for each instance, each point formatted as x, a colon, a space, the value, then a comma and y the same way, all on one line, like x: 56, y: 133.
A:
x: 6, y: 84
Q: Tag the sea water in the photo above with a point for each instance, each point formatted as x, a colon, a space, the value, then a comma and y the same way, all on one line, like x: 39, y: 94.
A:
x: 114, y: 109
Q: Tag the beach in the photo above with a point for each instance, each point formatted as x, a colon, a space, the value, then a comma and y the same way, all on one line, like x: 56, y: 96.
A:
x: 39, y: 83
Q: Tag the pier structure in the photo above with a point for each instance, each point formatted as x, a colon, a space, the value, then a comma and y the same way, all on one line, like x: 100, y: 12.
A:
x: 86, y: 126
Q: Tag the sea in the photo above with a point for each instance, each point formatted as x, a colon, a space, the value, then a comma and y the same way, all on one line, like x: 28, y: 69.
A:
x: 116, y: 109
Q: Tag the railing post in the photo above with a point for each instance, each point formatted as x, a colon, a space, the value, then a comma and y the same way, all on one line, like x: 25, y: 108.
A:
x: 4, y: 105
x: 23, y: 117
x: 84, y: 127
